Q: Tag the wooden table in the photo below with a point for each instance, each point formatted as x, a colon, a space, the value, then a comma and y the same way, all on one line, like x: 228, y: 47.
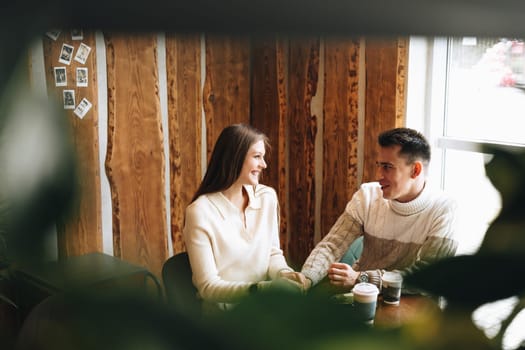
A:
x: 410, y: 308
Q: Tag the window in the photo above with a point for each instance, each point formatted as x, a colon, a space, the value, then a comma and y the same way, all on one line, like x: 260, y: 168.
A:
x: 485, y: 93
x: 464, y: 93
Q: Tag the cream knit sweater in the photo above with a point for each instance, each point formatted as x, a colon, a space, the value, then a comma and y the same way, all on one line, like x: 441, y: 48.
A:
x: 397, y: 236
x: 226, y: 257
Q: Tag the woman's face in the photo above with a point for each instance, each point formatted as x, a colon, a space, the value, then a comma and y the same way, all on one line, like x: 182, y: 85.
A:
x: 253, y: 164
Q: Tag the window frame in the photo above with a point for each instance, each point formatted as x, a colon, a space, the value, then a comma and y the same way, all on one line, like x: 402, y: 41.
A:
x: 433, y: 76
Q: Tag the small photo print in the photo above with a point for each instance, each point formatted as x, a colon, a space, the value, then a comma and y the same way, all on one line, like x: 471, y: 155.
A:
x: 82, y: 53
x: 66, y: 54
x: 60, y: 76
x: 53, y: 34
x: 77, y: 34
x: 83, y: 107
x: 69, y: 99
x: 82, y: 76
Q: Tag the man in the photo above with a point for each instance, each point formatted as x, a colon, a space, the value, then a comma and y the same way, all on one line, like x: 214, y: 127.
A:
x: 404, y: 224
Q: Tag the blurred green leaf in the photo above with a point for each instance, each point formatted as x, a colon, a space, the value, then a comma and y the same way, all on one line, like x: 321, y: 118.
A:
x: 506, y: 171
x: 450, y: 329
x: 37, y: 166
x: 495, y: 271
x: 8, y: 301
x: 472, y: 280
x: 283, y: 320
x: 504, y: 236
x: 29, y: 20
x: 112, y: 320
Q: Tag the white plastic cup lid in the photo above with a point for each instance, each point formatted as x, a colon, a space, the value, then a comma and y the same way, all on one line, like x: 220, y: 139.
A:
x: 392, y: 276
x: 365, y: 288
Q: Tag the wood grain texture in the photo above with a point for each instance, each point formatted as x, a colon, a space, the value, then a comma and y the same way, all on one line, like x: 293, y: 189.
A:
x: 302, y: 130
x: 383, y: 109
x: 80, y: 233
x: 183, y: 61
x: 402, y: 81
x: 269, y: 106
x: 135, y: 156
x: 226, y: 92
x: 340, y: 128
x: 282, y: 190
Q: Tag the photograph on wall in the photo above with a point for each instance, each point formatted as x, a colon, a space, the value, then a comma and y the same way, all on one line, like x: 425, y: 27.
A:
x: 82, y: 76
x: 77, y: 34
x: 53, y: 34
x: 69, y: 99
x: 66, y: 54
x: 83, y: 107
x: 60, y: 76
x: 82, y: 53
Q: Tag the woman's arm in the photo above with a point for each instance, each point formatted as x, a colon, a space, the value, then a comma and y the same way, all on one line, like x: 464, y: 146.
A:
x: 205, y: 273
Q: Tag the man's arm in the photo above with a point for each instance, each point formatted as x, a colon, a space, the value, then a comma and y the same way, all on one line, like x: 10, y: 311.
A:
x: 332, y: 247
x: 433, y: 249
x: 441, y: 241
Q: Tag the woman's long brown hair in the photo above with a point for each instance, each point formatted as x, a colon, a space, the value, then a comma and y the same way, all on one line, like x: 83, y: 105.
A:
x: 228, y: 157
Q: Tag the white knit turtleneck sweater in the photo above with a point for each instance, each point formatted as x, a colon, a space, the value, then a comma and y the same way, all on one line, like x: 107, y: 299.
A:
x: 397, y: 236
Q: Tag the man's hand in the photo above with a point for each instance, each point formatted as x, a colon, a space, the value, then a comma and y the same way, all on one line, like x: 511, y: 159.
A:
x: 342, y: 275
x: 296, y: 277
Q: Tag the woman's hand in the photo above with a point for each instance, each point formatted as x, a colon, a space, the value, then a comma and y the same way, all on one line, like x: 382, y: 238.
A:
x: 296, y: 277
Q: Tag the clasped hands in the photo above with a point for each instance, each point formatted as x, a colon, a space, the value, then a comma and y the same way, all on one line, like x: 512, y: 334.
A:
x: 297, y: 279
x: 286, y: 280
x: 340, y: 275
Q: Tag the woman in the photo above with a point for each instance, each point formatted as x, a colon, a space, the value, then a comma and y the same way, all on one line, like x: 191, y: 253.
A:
x: 231, y: 226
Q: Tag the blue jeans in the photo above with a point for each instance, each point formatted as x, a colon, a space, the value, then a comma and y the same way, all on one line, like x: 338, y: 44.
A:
x: 354, y: 252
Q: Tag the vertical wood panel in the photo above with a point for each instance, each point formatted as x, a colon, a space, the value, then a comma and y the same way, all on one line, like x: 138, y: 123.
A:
x: 402, y: 81
x: 303, y: 77
x: 385, y: 106
x: 80, y: 233
x: 340, y: 128
x: 268, y: 104
x: 227, y: 86
x: 135, y: 157
x: 185, y: 126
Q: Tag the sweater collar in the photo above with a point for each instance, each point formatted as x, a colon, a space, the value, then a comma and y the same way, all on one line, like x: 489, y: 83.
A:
x: 415, y: 206
x: 226, y: 208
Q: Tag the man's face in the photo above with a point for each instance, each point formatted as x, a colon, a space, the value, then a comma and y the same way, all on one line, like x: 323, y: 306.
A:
x: 395, y: 176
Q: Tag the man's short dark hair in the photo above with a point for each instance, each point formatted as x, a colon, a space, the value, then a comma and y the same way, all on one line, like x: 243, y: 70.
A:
x: 414, y: 146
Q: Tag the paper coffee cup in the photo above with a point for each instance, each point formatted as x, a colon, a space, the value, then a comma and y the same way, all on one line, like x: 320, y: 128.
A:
x: 391, y: 289
x: 365, y: 300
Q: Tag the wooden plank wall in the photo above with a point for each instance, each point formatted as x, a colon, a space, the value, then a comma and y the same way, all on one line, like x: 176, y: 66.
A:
x: 269, y: 107
x: 386, y: 61
x: 269, y: 82
x: 302, y: 130
x: 82, y: 232
x: 135, y: 159
x: 340, y: 128
x: 401, y: 81
x: 183, y: 62
x: 227, y: 86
